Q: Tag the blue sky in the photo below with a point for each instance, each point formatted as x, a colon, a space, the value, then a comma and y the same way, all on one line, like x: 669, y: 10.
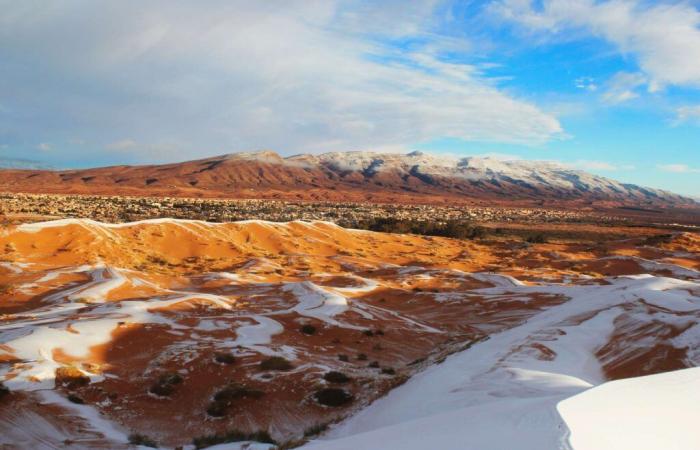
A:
x: 612, y: 87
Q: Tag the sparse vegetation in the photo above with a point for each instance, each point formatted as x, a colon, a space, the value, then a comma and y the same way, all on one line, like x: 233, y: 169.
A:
x: 308, y: 329
x: 224, y: 358
x: 536, y: 238
x: 4, y: 391
x: 343, y: 358
x: 458, y: 229
x: 276, y: 363
x: 362, y: 357
x: 75, y: 399
x: 315, y: 430
x: 232, y: 436
x: 140, y: 439
x: 388, y: 371
x: 336, y: 377
x: 224, y: 398
x: 165, y: 385
x: 333, y: 397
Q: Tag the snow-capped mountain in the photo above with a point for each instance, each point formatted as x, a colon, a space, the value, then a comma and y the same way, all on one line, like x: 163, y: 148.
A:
x: 353, y: 176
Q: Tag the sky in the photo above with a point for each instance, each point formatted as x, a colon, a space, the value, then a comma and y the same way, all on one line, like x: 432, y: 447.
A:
x: 611, y: 87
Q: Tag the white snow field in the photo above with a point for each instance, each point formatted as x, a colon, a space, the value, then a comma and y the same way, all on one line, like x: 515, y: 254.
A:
x: 500, y: 395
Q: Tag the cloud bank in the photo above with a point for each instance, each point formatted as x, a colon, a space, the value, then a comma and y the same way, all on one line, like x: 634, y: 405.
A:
x: 176, y: 79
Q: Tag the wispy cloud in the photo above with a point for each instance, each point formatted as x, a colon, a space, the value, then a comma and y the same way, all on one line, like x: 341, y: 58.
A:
x: 44, y: 147
x: 623, y: 86
x: 688, y: 113
x: 677, y: 168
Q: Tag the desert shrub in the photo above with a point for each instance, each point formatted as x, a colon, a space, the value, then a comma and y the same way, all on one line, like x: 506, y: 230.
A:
x: 308, y: 329
x: 140, y: 439
x: 75, y: 399
x: 537, y: 238
x: 362, y: 357
x: 658, y: 239
x: 416, y: 361
x: 388, y: 371
x: 224, y: 358
x: 368, y: 333
x: 459, y: 229
x: 165, y: 385
x: 374, y: 365
x: 315, y: 430
x: 217, y: 409
x: 333, y: 397
x: 276, y: 363
x: 235, y: 391
x: 4, y: 391
x: 343, y: 358
x: 71, y: 377
x: 232, y: 436
x: 336, y: 377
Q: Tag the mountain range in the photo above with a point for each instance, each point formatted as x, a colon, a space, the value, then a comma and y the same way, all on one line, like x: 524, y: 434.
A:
x: 414, y: 177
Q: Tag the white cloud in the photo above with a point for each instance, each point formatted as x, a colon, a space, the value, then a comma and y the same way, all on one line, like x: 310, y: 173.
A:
x: 677, y: 168
x: 586, y: 83
x: 688, y: 113
x: 623, y: 87
x: 220, y: 76
x: 663, y: 37
x: 44, y: 147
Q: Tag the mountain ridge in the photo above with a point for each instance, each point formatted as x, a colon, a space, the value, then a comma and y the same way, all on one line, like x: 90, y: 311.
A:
x: 415, y: 177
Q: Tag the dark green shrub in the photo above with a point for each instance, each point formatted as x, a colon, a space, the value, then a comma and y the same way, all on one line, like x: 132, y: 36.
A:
x: 362, y: 357
x: 388, y: 371
x: 224, y: 398
x: 308, y: 329
x: 315, y: 430
x: 235, y: 391
x: 4, y: 391
x: 336, y: 377
x: 276, y: 363
x: 333, y: 397
x: 343, y: 358
x: 165, y: 385
x: 537, y: 238
x: 75, y: 399
x: 224, y: 358
x: 374, y: 365
x: 140, y: 439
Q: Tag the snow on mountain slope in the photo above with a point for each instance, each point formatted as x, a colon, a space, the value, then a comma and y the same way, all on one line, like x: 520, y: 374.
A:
x: 526, y: 174
x: 508, y: 391
x: 350, y: 176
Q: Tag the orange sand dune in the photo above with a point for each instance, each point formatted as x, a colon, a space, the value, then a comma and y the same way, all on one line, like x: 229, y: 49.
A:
x: 163, y: 327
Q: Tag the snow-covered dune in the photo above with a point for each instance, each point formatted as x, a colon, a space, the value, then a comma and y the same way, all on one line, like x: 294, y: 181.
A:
x: 541, y: 386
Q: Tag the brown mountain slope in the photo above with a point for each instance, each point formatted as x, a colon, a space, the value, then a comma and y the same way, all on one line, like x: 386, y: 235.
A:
x: 351, y: 176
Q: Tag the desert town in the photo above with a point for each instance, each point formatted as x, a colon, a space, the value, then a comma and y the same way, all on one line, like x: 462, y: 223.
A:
x: 128, y: 209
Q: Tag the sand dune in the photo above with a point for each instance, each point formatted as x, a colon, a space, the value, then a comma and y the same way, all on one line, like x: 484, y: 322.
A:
x: 112, y: 329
